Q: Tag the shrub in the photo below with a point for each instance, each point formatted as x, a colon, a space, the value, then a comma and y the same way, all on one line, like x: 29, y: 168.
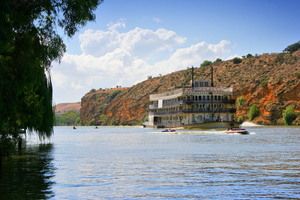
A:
x: 240, y: 119
x: 280, y: 58
x: 249, y: 55
x: 289, y: 115
x: 92, y: 90
x: 298, y: 75
x: 293, y: 47
x: 218, y: 60
x: 237, y: 60
x: 104, y: 118
x: 254, y: 112
x: 206, y: 63
x: 264, y: 82
x: 92, y: 122
x: 114, y: 94
x: 240, y: 100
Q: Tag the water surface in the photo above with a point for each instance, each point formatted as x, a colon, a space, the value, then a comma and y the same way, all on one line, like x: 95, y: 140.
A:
x: 134, y: 163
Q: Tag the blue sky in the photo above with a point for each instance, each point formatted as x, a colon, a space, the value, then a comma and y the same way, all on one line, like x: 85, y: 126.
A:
x: 132, y: 39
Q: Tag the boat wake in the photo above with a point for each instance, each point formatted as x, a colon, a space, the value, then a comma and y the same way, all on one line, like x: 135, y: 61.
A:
x: 249, y: 124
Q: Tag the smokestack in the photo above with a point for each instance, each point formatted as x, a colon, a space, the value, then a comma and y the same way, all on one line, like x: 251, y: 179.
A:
x: 212, y: 76
x: 192, y: 76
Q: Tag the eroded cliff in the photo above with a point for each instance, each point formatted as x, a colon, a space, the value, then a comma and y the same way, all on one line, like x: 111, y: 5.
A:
x: 272, y: 81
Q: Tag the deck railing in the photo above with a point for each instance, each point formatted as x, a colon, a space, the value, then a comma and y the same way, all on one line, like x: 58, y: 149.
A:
x: 196, y: 110
x: 178, y: 103
x: 192, y: 91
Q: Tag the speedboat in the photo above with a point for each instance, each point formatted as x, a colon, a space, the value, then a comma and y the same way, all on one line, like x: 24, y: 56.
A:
x: 237, y: 130
x: 169, y: 130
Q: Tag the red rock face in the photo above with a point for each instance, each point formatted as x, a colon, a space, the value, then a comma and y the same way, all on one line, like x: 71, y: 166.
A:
x: 65, y: 107
x: 270, y: 80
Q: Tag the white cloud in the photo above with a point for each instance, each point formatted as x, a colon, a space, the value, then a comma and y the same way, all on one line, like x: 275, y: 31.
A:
x: 114, y: 26
x: 76, y: 85
x: 156, y: 19
x: 111, y: 58
x: 233, y: 56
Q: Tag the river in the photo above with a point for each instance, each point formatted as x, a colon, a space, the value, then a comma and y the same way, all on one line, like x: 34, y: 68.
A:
x: 134, y: 163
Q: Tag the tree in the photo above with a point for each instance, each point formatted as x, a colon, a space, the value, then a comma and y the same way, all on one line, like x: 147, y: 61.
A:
x: 289, y: 115
x: 29, y: 42
x: 249, y: 55
x: 237, y: 60
x: 293, y: 47
x: 254, y: 112
x: 206, y: 63
x: 240, y: 101
x: 114, y: 94
x: 67, y: 119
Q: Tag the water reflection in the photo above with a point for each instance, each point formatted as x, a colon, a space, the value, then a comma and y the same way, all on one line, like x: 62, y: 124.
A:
x: 28, y: 174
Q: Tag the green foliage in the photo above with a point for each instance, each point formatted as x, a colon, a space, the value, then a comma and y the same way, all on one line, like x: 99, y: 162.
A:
x: 280, y: 58
x: 149, y: 77
x: 254, y: 112
x: 297, y: 75
x: 111, y: 123
x: 206, y: 63
x: 218, y: 60
x: 264, y: 82
x: 104, y: 118
x: 289, y: 115
x: 293, y: 47
x: 187, y: 76
x: 240, y: 101
x: 69, y: 118
x: 146, y: 118
x: 29, y: 43
x: 240, y: 119
x: 249, y: 55
x: 114, y: 94
x: 92, y: 122
x: 237, y: 60
x: 92, y: 90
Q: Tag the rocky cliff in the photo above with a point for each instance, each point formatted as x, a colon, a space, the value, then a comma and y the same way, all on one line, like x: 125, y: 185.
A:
x: 272, y: 81
x: 62, y: 108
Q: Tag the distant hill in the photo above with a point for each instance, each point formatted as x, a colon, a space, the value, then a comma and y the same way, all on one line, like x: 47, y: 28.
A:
x: 65, y: 107
x: 272, y: 81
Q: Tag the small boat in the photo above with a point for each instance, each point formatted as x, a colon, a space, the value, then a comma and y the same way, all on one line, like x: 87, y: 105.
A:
x: 237, y: 130
x: 74, y: 127
x: 169, y: 130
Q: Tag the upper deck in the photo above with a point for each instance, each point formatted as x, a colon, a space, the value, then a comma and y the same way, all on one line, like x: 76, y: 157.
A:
x: 191, y: 91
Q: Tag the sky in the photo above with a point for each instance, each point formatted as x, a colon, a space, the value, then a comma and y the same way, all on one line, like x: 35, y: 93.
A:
x: 131, y: 40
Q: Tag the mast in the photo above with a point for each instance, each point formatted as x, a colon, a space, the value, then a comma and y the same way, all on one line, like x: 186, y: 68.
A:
x: 212, y: 96
x: 192, y: 76
x: 212, y: 76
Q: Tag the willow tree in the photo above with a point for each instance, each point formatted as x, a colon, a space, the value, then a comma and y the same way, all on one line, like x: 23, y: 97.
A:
x: 29, y: 42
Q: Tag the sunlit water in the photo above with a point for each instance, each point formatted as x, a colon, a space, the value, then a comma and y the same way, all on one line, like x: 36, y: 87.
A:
x: 134, y: 163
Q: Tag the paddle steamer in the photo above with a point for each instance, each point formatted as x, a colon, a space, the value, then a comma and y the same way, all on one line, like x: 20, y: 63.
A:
x: 202, y: 105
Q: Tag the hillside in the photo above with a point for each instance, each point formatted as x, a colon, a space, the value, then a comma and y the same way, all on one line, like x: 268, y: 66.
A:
x: 272, y: 81
x: 65, y: 107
